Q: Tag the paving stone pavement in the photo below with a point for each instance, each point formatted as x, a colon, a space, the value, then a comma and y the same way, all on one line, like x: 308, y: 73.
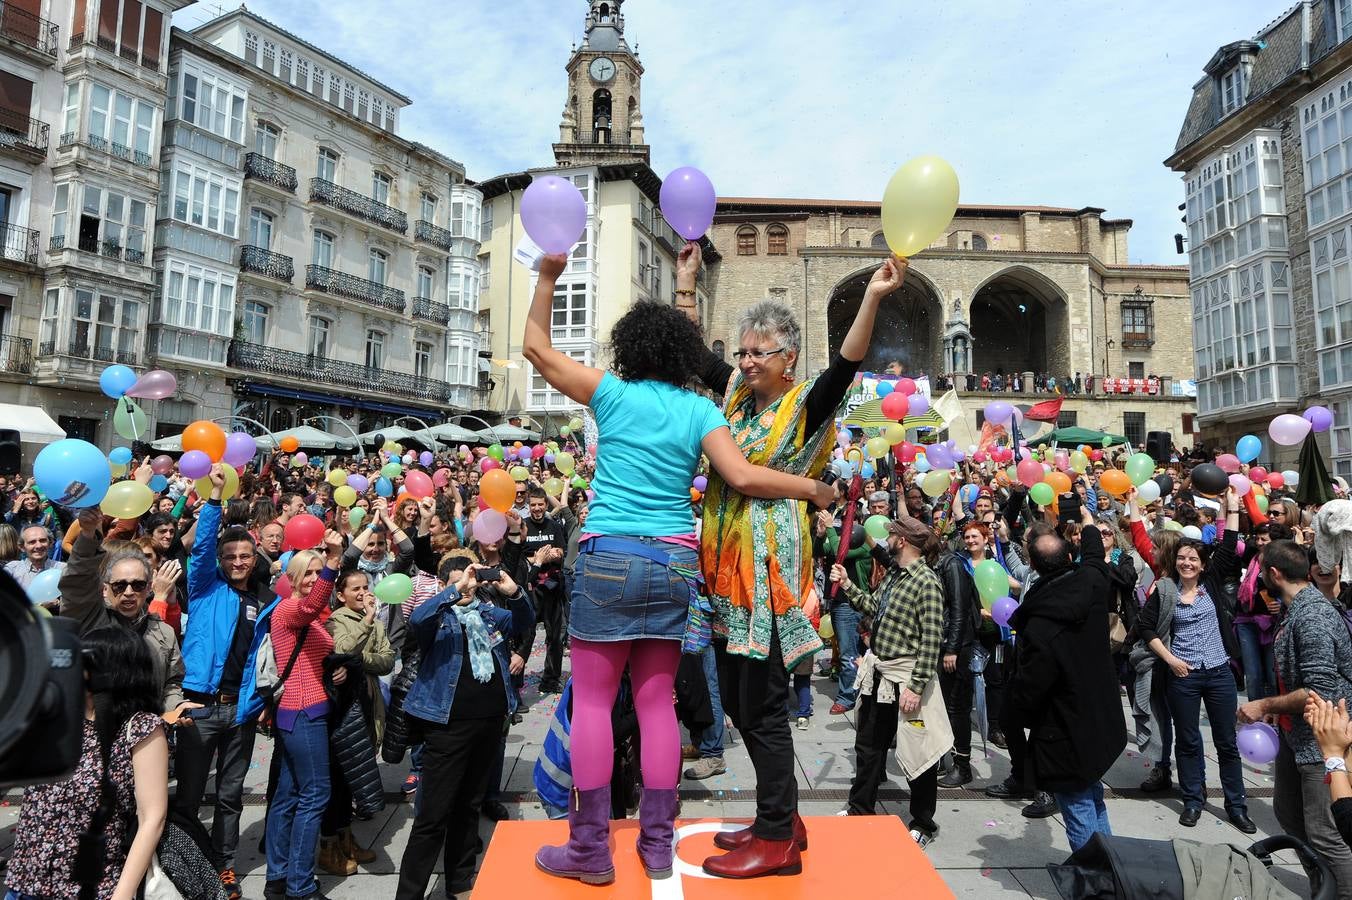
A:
x: 985, y: 848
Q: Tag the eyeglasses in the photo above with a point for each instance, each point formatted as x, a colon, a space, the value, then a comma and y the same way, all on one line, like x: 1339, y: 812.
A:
x: 756, y: 355
x: 120, y: 587
x: 238, y: 557
x: 1277, y: 511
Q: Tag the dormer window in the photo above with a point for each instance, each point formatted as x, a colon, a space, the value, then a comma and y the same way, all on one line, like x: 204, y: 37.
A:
x: 1234, y: 85
x: 1344, y: 12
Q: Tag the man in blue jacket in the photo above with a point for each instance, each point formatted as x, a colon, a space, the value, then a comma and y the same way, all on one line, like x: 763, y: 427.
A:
x: 218, y: 643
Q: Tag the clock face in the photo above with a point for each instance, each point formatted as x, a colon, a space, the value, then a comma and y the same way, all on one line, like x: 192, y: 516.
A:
x: 602, y: 69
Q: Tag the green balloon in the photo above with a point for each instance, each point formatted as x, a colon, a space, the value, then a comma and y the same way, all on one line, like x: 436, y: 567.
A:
x: 991, y: 580
x: 129, y: 420
x: 394, y: 589
x: 876, y: 526
x: 495, y: 451
x: 392, y: 470
x: 580, y: 482
x: 355, y: 517
x: 1041, y: 494
x: 1140, y: 468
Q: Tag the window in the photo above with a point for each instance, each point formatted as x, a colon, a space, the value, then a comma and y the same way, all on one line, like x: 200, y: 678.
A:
x: 485, y: 269
x: 51, y: 312
x: 303, y: 73
x: 778, y: 238
x: 319, y: 336
x: 1137, y: 322
x: 462, y: 291
x: 206, y: 198
x: 323, y: 249
x: 71, y: 119
x: 198, y: 298
x: 59, y: 206
x: 422, y: 359
x: 1134, y: 370
x: 285, y: 71
x: 380, y: 187
x: 642, y: 263
x: 1344, y: 19
x: 426, y: 278
x: 570, y: 316
x: 116, y: 328
x: 251, y: 47
x: 328, y: 165
x: 260, y: 228
x: 111, y: 222
x: 256, y: 321
x: 335, y: 88
x: 544, y: 397
x: 462, y: 359
x: 317, y: 82
x: 1233, y: 86
x: 375, y: 349
x: 212, y: 102
x: 349, y: 96
x: 746, y: 241
x: 265, y: 140
x: 378, y: 266
x: 427, y: 208
x: 879, y: 241
x: 487, y: 229
x: 979, y: 243
x: 1067, y: 419
x: 363, y: 104
x: 457, y: 218
x: 1133, y: 428
x: 270, y: 57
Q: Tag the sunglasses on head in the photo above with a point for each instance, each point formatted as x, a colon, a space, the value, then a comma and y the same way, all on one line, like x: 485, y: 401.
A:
x: 120, y: 587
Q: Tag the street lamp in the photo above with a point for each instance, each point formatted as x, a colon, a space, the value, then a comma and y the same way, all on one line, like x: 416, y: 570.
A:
x: 356, y: 440
x: 253, y: 422
x: 425, y: 427
x: 492, y: 428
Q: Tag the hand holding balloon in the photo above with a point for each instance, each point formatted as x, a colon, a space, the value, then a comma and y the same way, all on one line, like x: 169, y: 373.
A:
x: 887, y: 278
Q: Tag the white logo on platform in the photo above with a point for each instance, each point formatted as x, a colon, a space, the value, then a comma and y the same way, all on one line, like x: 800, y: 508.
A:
x: 673, y: 888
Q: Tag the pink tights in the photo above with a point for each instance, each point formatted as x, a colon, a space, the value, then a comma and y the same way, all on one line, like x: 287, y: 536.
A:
x: 597, y: 668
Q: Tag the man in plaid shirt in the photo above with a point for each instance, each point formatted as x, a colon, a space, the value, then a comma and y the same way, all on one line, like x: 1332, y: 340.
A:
x: 907, y: 611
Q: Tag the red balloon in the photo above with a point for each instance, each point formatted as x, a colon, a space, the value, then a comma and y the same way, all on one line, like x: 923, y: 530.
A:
x: 418, y: 484
x: 1229, y: 463
x: 906, y: 451
x: 482, y: 505
x: 1258, y: 473
x: 1096, y: 455
x: 1275, y: 480
x: 979, y: 457
x: 1030, y: 471
x: 538, y: 451
x: 488, y: 464
x: 906, y: 386
x: 895, y: 405
x: 304, y: 532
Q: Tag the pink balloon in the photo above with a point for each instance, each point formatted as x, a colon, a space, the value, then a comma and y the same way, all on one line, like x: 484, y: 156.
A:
x: 553, y: 213
x: 1289, y: 430
x: 239, y: 448
x: 162, y: 465
x: 1257, y: 473
x: 688, y: 201
x: 441, y: 477
x: 1241, y: 484
x: 1030, y: 471
x: 154, y: 385
x: 488, y: 463
x: 1228, y: 462
x: 906, y: 386
x: 418, y: 484
x: 490, y: 526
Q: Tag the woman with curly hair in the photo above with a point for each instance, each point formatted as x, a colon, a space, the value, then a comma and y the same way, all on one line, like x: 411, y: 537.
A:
x: 635, y: 573
x: 757, y: 557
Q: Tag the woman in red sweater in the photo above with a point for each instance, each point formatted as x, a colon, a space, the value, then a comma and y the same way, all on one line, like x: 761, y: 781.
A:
x: 302, y: 730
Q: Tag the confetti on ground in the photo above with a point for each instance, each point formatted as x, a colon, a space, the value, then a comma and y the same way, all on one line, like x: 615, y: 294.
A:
x: 985, y: 873
x: 991, y: 824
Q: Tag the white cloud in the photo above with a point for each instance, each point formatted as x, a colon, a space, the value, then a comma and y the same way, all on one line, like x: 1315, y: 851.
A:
x: 1066, y: 103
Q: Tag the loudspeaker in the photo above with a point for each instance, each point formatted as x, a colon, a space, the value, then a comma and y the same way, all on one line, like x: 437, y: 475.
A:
x: 11, y: 453
x: 1159, y: 444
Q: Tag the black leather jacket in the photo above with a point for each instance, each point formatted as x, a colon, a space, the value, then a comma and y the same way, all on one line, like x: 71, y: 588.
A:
x: 959, y: 602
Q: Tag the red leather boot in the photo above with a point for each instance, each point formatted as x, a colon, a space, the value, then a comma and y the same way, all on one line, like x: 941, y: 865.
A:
x: 736, y: 840
x: 758, y: 857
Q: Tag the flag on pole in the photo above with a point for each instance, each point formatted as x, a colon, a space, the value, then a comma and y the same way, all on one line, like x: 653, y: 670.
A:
x: 1046, y: 411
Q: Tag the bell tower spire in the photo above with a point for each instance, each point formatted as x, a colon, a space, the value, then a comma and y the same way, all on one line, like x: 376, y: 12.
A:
x: 602, y: 118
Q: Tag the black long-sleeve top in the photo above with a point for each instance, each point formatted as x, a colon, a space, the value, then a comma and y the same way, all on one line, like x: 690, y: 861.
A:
x: 822, y: 400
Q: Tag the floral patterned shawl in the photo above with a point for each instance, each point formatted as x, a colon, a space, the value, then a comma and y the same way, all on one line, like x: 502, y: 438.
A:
x: 756, y: 555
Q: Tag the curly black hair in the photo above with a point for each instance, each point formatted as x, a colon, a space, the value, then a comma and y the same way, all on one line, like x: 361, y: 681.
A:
x: 656, y: 342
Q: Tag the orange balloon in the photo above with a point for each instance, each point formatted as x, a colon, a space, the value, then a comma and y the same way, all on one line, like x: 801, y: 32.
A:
x: 695, y: 495
x: 1115, y: 482
x: 498, y: 490
x: 207, y: 437
x: 290, y: 444
x: 1059, y: 481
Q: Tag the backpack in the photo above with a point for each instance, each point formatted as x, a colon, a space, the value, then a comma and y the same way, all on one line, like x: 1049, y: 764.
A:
x: 267, y: 682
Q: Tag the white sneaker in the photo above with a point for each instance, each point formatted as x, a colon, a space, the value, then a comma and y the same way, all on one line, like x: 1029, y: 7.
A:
x: 844, y: 812
x: 921, y: 839
x: 802, y: 723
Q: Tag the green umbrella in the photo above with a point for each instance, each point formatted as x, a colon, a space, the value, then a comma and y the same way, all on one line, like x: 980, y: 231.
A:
x: 1314, y: 486
x: 1074, y: 436
x: 870, y: 415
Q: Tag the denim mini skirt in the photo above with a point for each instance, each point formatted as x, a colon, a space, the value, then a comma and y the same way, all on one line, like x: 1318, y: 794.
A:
x: 619, y: 597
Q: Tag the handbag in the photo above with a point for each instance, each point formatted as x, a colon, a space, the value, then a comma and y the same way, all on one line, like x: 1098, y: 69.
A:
x: 1117, y: 633
x: 157, y: 885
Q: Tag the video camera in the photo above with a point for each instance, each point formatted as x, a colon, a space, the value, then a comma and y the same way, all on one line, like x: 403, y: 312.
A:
x: 42, y: 692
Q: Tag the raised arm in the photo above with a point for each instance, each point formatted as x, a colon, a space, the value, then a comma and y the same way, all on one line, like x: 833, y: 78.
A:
x: 714, y: 372
x: 759, y: 481
x: 564, y: 374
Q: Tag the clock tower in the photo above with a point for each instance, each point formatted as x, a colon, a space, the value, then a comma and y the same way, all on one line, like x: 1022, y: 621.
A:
x: 602, y: 119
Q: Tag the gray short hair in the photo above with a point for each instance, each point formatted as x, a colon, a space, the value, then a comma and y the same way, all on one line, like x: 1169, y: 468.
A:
x: 771, y: 319
x: 129, y: 554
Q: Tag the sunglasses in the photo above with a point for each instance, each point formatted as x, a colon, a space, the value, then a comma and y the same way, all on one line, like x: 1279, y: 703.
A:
x: 120, y: 587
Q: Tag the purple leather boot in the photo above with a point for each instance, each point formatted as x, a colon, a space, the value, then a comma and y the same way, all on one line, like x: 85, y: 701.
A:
x: 586, y: 856
x: 657, y: 821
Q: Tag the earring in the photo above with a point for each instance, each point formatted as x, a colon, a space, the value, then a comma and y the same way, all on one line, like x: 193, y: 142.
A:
x: 788, y: 377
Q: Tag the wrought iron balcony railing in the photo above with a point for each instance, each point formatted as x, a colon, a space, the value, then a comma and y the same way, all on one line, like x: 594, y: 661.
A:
x: 261, y: 168
x: 363, y: 207
x: 57, y: 242
x: 28, y: 29
x: 16, y: 355
x: 112, y: 148
x: 432, y: 234
x: 19, y: 244
x: 341, y: 284
x: 23, y: 135
x: 311, y: 368
x: 430, y: 310
x: 265, y: 262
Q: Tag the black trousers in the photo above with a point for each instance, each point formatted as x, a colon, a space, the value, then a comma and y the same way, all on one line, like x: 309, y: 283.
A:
x: 957, y: 688
x: 456, y: 761
x: 338, y: 814
x: 1012, y: 724
x: 875, y: 730
x: 215, y: 739
x: 551, y: 608
x: 998, y: 676
x: 755, y: 694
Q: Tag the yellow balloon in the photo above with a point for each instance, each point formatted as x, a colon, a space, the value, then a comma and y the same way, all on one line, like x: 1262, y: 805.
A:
x: 553, y: 487
x: 127, y: 500
x: 231, y: 488
x: 565, y: 463
x: 345, y: 496
x: 117, y: 469
x: 895, y: 433
x: 337, y: 478
x: 877, y: 447
x: 918, y: 204
x: 519, y: 473
x: 936, y: 483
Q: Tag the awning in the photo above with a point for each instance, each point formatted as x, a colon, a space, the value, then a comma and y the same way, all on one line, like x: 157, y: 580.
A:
x: 500, y: 434
x: 452, y: 433
x: 272, y: 390
x: 400, y: 435
x: 32, y: 423
x: 309, y: 438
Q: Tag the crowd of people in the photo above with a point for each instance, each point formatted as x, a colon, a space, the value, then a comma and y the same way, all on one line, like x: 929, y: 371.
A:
x: 1040, y: 383
x: 406, y: 630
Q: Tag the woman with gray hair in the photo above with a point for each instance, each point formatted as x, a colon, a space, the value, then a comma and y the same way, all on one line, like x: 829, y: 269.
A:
x: 756, y: 555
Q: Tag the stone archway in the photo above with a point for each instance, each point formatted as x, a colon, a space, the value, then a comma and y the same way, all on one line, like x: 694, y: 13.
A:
x: 908, y: 329
x: 1020, y: 323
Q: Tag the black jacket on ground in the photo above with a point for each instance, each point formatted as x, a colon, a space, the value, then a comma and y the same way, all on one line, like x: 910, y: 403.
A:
x: 1066, y: 689
x: 960, y: 601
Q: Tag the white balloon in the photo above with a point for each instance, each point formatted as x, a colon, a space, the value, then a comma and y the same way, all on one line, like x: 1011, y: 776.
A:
x: 1192, y: 532
x: 1148, y: 492
x: 1292, y: 477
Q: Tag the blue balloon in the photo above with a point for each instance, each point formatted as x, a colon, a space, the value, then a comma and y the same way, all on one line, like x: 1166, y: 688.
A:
x: 922, y: 463
x: 885, y: 388
x: 1248, y: 448
x: 969, y: 493
x: 844, y: 468
x: 158, y: 483
x: 120, y: 455
x: 867, y: 471
x: 45, y: 586
x: 383, y: 487
x: 72, y: 473
x: 116, y: 381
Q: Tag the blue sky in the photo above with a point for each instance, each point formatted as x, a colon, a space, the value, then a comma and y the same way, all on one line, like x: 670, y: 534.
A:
x: 1053, y: 102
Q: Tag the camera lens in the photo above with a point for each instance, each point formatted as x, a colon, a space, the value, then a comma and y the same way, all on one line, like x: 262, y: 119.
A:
x: 24, y: 647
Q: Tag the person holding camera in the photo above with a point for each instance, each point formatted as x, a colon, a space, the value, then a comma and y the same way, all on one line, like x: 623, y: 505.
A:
x: 545, y: 544
x: 459, y: 703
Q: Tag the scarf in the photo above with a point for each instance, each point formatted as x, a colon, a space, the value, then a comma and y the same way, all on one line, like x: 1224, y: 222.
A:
x: 476, y: 635
x: 374, y: 570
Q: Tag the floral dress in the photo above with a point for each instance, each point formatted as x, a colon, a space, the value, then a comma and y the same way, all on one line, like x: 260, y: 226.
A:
x: 55, y: 815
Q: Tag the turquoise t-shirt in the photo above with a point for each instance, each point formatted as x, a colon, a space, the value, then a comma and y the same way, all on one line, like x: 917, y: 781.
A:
x: 647, y: 454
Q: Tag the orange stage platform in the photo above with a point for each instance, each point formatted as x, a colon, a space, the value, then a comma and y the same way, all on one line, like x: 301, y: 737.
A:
x: 849, y: 856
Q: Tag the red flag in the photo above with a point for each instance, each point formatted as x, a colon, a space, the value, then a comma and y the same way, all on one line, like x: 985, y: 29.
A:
x: 1046, y: 411
x: 989, y: 435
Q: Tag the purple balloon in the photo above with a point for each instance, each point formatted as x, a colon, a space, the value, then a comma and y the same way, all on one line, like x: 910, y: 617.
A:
x: 524, y: 454
x: 1319, y: 417
x: 194, y: 464
x: 939, y: 457
x: 549, y: 459
x: 1002, y: 609
x: 358, y: 483
x: 154, y: 385
x: 919, y: 405
x: 701, y: 483
x: 998, y: 412
x: 553, y: 213
x: 426, y: 457
x: 239, y: 448
x: 1257, y: 743
x: 688, y: 202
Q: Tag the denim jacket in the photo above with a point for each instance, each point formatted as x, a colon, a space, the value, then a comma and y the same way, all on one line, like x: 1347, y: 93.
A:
x: 441, y: 640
